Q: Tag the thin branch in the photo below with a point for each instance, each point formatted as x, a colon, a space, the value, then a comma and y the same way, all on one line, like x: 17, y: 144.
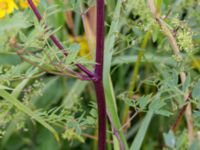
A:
x: 58, y: 44
x: 70, y: 73
x: 116, y: 132
x: 94, y: 137
x: 178, y: 119
x: 19, y: 52
x: 129, y: 120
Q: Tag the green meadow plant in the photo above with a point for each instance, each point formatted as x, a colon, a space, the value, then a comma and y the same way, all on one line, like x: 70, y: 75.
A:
x: 140, y: 90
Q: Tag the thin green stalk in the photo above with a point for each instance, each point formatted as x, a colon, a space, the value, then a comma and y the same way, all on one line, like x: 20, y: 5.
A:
x: 138, y: 62
x: 135, y: 72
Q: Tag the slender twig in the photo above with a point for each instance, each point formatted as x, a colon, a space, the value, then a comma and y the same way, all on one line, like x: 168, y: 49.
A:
x: 180, y: 114
x: 172, y: 40
x: 57, y: 43
x: 70, y: 73
x: 116, y: 132
x: 95, y: 138
x: 178, y: 119
x: 43, y: 68
x: 129, y: 120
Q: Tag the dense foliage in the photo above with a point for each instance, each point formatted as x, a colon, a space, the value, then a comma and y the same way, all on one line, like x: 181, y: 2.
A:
x: 151, y: 75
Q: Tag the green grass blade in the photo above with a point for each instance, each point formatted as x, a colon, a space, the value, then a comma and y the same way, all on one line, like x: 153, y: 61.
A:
x: 137, y: 143
x: 75, y: 91
x: 18, y: 89
x: 27, y: 111
x: 108, y: 87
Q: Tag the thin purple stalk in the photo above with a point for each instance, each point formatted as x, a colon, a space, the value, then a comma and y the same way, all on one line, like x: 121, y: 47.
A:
x: 97, y: 76
x: 58, y: 44
x: 99, y: 73
x: 116, y: 132
x: 178, y: 119
x: 101, y: 114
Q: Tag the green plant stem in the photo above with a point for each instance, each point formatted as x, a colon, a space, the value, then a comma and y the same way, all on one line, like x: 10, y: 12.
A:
x: 138, y: 62
x: 135, y: 72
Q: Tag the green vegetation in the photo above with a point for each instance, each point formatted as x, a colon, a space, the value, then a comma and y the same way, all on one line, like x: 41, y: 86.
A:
x: 151, y: 75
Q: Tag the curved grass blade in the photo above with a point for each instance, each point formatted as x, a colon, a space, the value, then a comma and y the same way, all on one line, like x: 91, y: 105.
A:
x: 137, y: 143
x: 27, y: 111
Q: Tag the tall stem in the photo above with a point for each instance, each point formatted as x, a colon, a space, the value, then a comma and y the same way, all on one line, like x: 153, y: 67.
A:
x: 99, y: 73
x: 101, y: 114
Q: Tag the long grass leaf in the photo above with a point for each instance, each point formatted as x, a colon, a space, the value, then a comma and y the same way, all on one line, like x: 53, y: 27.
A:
x: 137, y: 143
x: 108, y: 87
x: 27, y: 111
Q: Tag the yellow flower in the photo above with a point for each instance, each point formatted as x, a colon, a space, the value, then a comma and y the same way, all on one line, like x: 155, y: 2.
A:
x: 84, y: 48
x: 196, y: 64
x: 24, y: 4
x: 7, y: 7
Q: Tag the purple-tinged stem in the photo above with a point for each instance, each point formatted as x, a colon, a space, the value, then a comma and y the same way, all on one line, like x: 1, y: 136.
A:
x: 101, y: 114
x: 116, y: 132
x: 178, y: 119
x: 58, y: 44
x: 99, y: 73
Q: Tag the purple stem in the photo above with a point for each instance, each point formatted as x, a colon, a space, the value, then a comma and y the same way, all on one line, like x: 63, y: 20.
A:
x: 101, y: 114
x: 58, y: 44
x: 116, y: 132
x: 99, y: 73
